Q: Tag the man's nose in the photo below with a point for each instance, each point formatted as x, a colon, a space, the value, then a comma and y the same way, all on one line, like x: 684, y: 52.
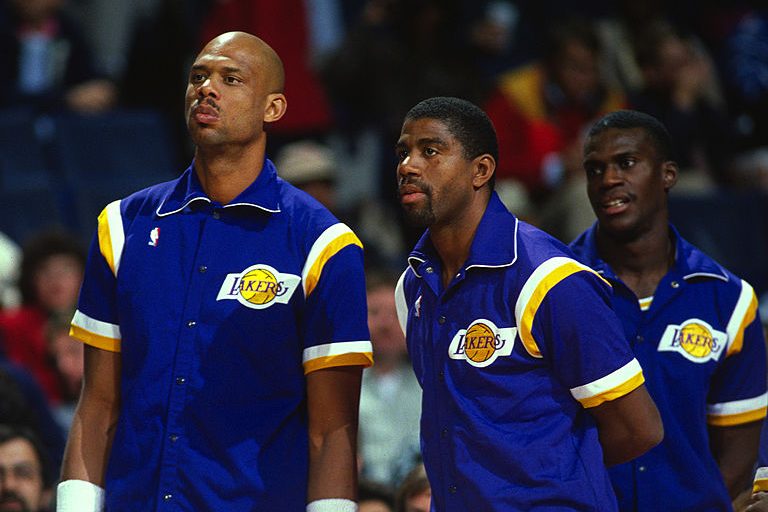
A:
x: 407, y: 166
x: 207, y: 89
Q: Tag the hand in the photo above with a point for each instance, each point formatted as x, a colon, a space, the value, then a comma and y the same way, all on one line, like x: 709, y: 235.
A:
x: 758, y: 502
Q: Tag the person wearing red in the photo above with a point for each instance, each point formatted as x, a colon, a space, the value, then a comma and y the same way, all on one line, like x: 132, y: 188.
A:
x: 540, y: 109
x: 51, y: 274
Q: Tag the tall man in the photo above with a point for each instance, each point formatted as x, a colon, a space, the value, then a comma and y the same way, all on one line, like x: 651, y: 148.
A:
x: 529, y: 385
x: 692, y: 325
x: 225, y: 322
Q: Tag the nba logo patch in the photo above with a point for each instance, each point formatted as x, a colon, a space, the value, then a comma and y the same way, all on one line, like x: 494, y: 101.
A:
x: 154, y: 237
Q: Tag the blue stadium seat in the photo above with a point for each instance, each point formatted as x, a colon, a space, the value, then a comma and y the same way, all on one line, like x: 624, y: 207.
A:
x: 23, y: 155
x: 730, y: 226
x: 28, y: 212
x: 109, y: 156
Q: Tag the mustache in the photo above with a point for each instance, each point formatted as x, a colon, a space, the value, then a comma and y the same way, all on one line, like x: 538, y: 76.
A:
x: 12, y: 497
x: 209, y: 102
x: 412, y: 183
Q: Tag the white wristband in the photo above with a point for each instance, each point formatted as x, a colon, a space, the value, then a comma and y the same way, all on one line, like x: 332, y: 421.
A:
x: 332, y: 505
x: 79, y: 496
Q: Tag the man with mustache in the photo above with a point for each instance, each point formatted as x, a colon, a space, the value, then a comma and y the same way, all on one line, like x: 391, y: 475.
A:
x: 225, y: 324
x: 25, y: 484
x: 691, y: 323
x: 529, y: 385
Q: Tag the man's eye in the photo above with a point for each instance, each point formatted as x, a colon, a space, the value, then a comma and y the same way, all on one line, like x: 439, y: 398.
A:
x: 197, y: 77
x: 592, y: 170
x: 627, y: 163
x: 430, y: 151
x: 231, y: 79
x: 401, y: 154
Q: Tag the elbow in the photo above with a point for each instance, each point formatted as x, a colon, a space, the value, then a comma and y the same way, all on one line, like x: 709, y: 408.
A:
x: 652, y: 437
x: 646, y: 439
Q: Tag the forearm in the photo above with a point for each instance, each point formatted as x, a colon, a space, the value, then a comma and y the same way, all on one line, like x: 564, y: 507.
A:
x: 333, y: 465
x: 621, y: 447
x: 735, y: 450
x: 628, y: 426
x: 88, y: 446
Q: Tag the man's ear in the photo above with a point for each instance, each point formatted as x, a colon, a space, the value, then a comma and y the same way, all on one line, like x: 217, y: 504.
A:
x: 275, y: 107
x: 669, y: 176
x: 483, y: 169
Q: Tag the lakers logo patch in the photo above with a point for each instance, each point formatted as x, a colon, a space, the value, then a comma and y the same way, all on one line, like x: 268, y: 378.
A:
x: 695, y: 340
x: 258, y: 287
x: 482, y: 343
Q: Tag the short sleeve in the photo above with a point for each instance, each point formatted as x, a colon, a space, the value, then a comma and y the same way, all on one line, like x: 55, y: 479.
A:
x: 577, y: 330
x: 335, y: 322
x: 95, y: 321
x: 737, y: 393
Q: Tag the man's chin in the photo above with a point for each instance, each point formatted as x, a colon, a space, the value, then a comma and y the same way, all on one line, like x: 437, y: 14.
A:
x: 13, y: 506
x: 419, y: 218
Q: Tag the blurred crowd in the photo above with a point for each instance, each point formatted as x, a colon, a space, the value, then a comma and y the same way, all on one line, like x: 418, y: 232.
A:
x: 542, y: 70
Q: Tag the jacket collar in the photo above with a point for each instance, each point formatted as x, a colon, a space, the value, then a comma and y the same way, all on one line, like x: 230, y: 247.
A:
x: 261, y: 194
x: 690, y: 261
x: 494, y: 245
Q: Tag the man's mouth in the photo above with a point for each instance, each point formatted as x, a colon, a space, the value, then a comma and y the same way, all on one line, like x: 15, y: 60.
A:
x: 410, y: 194
x: 205, y: 114
x: 614, y: 205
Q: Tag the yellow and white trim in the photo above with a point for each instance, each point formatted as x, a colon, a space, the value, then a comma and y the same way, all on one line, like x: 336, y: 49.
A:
x: 111, y: 235
x: 346, y: 353
x: 94, y: 332
x: 535, y: 289
x: 614, y: 385
x: 743, y: 315
x: 737, y: 412
x: 330, y: 242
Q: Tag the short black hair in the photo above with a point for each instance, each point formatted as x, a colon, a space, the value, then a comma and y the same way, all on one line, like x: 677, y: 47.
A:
x: 41, y: 248
x: 465, y: 120
x: 9, y: 432
x: 628, y: 119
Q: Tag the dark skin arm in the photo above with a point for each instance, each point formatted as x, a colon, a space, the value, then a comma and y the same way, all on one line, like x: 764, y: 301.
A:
x: 93, y: 426
x: 735, y: 450
x: 333, y: 396
x: 628, y: 426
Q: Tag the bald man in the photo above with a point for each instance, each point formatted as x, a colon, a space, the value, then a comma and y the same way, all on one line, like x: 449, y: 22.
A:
x: 224, y: 322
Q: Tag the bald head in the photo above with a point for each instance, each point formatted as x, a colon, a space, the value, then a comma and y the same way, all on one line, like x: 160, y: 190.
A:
x: 263, y: 56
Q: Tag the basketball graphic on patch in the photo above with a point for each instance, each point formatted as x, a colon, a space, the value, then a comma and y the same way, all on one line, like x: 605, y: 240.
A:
x: 480, y: 343
x: 259, y: 286
x: 696, y: 339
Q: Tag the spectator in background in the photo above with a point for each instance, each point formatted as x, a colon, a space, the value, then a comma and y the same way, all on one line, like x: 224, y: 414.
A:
x: 25, y: 478
x: 23, y: 405
x: 374, y: 497
x: 540, y: 109
x: 48, y: 63
x: 10, y: 262
x: 51, y: 274
x: 390, y: 398
x: 66, y: 354
x: 397, y: 53
x: 681, y: 89
x: 414, y: 493
x: 314, y: 168
x: 310, y: 166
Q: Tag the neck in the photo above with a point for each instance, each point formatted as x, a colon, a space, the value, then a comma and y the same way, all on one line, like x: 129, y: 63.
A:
x: 453, y: 238
x: 225, y: 172
x: 641, y: 262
